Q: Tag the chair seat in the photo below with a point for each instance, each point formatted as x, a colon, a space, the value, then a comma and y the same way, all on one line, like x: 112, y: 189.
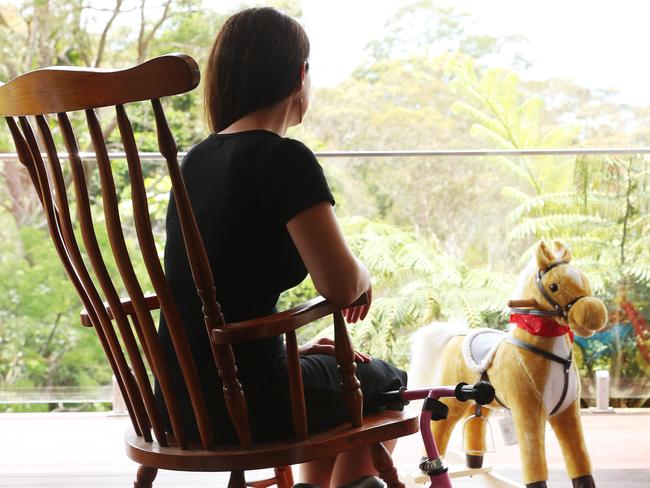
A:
x: 376, y: 428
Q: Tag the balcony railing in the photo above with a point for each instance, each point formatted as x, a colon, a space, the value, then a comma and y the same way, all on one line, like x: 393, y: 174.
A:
x: 57, y: 394
x: 148, y: 156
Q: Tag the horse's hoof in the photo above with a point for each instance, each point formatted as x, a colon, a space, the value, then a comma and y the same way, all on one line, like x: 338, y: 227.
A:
x: 536, y: 484
x: 586, y: 481
x: 474, y: 461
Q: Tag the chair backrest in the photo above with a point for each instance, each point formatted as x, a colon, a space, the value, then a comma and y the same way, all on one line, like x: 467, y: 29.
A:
x: 58, y: 91
x: 43, y: 93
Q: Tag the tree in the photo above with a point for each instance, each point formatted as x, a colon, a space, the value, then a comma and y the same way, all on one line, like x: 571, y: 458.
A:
x: 429, y: 29
x: 40, y: 335
x: 405, y: 104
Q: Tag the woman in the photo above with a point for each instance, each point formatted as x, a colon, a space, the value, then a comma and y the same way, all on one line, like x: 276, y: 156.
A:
x: 265, y: 213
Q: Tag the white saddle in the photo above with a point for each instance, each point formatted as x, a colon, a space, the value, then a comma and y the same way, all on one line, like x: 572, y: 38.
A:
x: 480, y: 346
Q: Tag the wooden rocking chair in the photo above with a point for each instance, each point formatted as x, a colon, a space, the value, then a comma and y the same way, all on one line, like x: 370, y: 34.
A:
x: 51, y: 93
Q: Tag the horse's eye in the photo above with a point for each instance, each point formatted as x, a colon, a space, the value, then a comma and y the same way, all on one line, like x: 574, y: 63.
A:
x: 553, y: 287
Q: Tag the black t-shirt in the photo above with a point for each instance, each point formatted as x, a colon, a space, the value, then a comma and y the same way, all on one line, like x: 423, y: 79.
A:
x: 244, y: 188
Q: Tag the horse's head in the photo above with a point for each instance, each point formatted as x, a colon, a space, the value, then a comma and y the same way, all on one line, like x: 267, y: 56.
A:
x: 562, y: 289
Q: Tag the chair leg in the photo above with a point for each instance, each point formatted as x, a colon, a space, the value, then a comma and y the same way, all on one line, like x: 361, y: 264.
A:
x: 284, y: 476
x: 237, y: 480
x: 383, y: 463
x: 145, y: 477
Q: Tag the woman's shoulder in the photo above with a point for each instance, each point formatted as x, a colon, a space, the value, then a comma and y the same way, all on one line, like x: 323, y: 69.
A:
x: 292, y: 152
x: 294, y: 145
x: 263, y: 149
x: 228, y: 146
x: 197, y: 150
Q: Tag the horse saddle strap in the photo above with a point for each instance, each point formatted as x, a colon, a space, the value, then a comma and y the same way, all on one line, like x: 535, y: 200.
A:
x: 551, y: 357
x: 541, y: 352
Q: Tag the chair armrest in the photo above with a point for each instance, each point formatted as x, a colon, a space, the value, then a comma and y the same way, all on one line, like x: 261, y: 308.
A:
x: 279, y: 323
x: 151, y: 302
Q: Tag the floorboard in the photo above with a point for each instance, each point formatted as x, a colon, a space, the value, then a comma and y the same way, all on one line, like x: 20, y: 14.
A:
x: 76, y: 450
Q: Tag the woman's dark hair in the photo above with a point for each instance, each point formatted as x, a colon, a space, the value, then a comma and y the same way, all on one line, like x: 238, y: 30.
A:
x: 255, y: 62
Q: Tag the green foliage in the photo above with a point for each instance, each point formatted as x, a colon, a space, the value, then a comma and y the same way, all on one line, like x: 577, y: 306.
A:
x: 443, y: 237
x: 41, y: 342
x: 415, y: 282
x: 503, y: 119
x: 404, y: 104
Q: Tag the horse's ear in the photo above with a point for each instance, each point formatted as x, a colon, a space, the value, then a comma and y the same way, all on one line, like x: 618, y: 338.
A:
x: 562, y: 251
x: 543, y: 255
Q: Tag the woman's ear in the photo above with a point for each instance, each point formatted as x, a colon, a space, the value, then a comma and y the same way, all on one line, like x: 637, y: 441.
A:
x: 300, y: 86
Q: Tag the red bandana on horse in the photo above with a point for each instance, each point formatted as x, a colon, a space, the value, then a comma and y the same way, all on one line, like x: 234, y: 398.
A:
x: 540, y: 326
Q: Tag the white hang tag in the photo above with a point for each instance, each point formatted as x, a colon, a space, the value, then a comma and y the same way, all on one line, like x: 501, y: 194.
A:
x: 507, y: 426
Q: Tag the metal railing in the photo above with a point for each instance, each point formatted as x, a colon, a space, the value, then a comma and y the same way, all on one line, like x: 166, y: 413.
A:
x: 56, y: 394
x: 148, y: 156
x: 594, y: 390
x: 66, y: 395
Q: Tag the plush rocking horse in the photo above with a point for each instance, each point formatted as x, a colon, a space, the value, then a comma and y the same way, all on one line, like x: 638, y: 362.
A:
x: 530, y: 367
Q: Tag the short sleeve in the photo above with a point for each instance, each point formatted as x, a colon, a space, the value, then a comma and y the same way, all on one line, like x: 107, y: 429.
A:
x: 296, y: 180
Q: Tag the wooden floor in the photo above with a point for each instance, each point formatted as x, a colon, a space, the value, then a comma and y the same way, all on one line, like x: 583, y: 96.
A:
x: 86, y: 450
x: 557, y: 479
x: 112, y: 480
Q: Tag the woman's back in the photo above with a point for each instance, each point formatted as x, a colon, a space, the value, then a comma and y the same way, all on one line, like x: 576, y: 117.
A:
x: 244, y: 188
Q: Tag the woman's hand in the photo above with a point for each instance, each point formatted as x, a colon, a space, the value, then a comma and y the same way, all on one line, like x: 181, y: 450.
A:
x: 354, y: 314
x: 325, y: 345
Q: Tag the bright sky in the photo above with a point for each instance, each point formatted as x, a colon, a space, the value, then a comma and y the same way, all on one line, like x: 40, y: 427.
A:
x: 597, y: 43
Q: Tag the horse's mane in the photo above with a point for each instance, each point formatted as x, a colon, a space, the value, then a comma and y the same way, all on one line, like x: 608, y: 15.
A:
x: 530, y: 269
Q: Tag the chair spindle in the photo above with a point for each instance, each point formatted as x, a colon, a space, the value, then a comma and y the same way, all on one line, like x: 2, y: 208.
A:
x: 79, y: 270
x: 349, y: 383
x: 97, y: 261
x: 159, y: 281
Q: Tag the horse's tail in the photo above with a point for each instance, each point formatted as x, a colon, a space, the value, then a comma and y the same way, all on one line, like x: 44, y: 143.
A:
x: 427, y: 345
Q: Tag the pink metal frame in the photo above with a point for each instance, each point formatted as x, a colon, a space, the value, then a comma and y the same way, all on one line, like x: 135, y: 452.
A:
x: 440, y: 480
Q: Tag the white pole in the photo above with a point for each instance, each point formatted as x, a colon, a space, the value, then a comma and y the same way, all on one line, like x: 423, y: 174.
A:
x: 602, y: 391
x: 119, y: 406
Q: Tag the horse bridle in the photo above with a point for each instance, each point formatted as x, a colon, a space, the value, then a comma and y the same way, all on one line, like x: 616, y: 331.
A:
x: 558, y: 310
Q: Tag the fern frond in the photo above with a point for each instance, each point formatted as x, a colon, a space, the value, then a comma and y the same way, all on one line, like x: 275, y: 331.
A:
x: 539, y: 203
x: 556, y: 225
x: 493, y: 138
x: 513, y: 168
x: 514, y: 193
x: 480, y: 118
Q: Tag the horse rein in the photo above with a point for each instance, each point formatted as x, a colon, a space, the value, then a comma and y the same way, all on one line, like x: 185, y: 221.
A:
x: 558, y: 310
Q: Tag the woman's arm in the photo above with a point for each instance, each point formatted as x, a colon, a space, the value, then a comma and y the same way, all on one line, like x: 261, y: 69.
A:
x: 337, y: 274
